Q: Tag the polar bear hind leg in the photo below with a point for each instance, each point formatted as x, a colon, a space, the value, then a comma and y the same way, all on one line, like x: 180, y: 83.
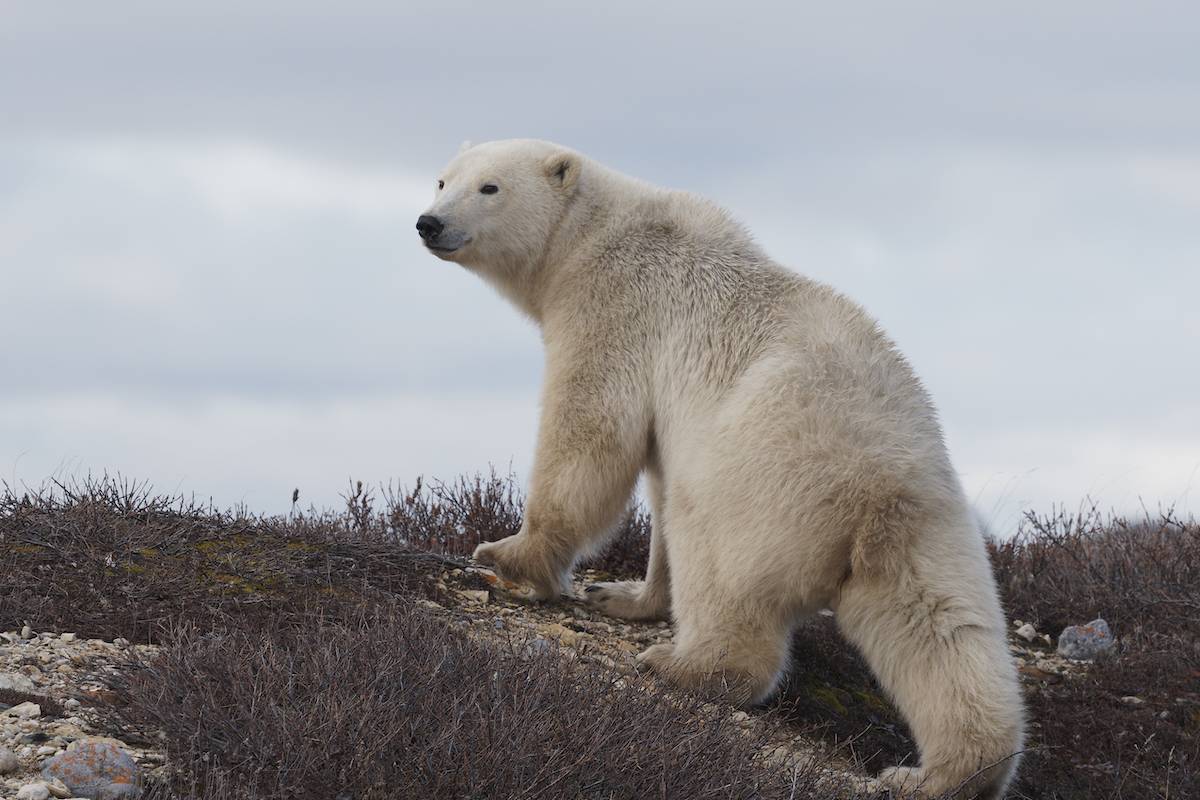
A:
x: 950, y: 675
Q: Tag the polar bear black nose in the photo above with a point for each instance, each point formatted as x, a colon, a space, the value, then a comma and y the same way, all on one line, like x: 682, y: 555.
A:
x: 429, y: 227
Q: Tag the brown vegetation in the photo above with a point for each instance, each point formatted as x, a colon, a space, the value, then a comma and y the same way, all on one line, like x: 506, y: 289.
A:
x: 275, y: 625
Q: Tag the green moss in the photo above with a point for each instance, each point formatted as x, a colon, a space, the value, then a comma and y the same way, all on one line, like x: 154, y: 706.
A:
x: 828, y: 696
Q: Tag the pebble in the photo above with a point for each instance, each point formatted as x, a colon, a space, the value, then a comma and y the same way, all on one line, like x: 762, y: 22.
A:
x: 26, y: 632
x: 564, y: 634
x: 1027, y: 632
x: 1132, y: 700
x: 58, y: 789
x: 96, y: 767
x: 1085, y: 642
x: 8, y: 761
x: 474, y: 595
x: 68, y: 637
x: 119, y: 642
x: 33, y: 791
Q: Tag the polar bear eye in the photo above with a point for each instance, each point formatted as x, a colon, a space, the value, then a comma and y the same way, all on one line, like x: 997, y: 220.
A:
x: 489, y: 188
x: 441, y: 184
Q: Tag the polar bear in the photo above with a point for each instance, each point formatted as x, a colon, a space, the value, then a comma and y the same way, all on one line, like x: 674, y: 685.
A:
x: 792, y: 459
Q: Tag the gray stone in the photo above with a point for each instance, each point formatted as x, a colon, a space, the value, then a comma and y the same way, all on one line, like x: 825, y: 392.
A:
x: 1085, y: 642
x: 33, y: 791
x: 96, y: 768
x: 25, y: 711
x: 8, y: 761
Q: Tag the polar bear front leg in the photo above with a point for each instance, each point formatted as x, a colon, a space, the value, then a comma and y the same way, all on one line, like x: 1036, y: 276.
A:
x: 591, y: 446
x: 637, y: 600
x: 641, y: 600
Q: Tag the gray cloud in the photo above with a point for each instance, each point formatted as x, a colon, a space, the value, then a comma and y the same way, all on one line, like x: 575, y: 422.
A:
x: 205, y: 214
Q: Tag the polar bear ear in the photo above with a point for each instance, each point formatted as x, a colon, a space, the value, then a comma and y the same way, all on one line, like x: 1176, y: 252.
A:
x: 562, y: 169
x: 464, y: 147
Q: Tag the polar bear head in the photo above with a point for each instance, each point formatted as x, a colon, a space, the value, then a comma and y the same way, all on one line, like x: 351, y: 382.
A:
x: 498, y: 204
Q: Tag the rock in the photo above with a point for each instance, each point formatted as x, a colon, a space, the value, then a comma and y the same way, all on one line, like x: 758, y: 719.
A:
x: 8, y: 761
x: 58, y: 789
x: 25, y: 711
x: 564, y: 634
x: 17, y: 682
x: 27, y: 632
x: 1085, y: 642
x: 46, y: 750
x: 33, y: 791
x: 119, y: 642
x: 67, y: 637
x: 474, y: 595
x: 96, y: 768
x: 1132, y: 700
x: 1027, y: 632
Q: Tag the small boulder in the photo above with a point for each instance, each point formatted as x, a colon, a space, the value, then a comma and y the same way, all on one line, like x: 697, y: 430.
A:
x: 96, y: 768
x: 1027, y: 632
x: 1085, y: 642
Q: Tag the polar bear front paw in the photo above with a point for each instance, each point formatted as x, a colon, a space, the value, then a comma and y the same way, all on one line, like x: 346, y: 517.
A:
x: 904, y: 782
x: 624, y: 600
x: 516, y: 560
x: 659, y: 658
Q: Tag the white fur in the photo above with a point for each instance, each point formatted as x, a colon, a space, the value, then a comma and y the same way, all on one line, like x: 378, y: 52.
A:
x: 794, y: 460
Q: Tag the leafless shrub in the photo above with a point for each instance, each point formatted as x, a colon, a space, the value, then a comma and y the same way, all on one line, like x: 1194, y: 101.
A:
x: 49, y: 706
x: 108, y: 558
x: 1143, y: 577
x: 392, y: 703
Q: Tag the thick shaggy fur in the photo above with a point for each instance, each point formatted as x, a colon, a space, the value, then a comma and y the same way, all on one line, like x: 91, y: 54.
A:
x: 793, y: 460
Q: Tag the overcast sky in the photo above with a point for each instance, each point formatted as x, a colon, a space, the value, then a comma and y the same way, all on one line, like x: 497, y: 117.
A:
x: 211, y: 281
